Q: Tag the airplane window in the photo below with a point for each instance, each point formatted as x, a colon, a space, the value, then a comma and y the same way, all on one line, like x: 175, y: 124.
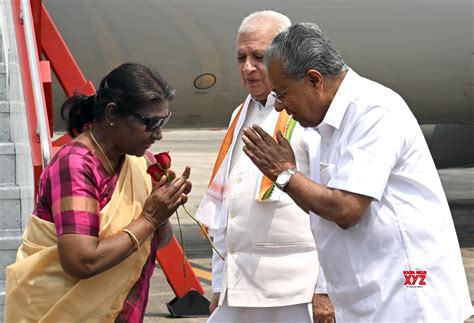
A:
x: 205, y: 81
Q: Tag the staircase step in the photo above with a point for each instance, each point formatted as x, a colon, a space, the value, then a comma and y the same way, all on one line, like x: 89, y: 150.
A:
x: 10, y: 210
x: 4, y: 107
x: 2, y: 57
x: 5, y: 122
x: 2, y: 300
x: 9, y: 192
x: 10, y: 240
x: 2, y: 293
x: 9, y: 243
x: 3, y: 81
x: 7, y: 162
x: 10, y: 224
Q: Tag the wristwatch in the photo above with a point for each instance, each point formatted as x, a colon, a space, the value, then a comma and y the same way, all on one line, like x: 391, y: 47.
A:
x: 284, y: 178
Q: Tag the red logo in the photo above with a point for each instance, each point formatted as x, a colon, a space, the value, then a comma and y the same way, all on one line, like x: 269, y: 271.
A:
x: 414, y: 279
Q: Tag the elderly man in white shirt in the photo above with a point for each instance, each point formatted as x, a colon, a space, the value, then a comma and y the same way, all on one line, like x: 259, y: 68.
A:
x: 271, y: 265
x: 383, y: 228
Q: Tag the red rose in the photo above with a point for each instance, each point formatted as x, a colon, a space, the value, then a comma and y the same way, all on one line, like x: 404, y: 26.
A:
x: 164, y: 160
x: 163, y: 163
x: 155, y: 172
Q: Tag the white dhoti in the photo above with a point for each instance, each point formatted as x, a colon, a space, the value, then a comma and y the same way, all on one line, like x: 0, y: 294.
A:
x: 299, y: 313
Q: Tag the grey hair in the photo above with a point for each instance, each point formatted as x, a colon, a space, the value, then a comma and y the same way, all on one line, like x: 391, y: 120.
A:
x: 254, y: 21
x: 302, y: 47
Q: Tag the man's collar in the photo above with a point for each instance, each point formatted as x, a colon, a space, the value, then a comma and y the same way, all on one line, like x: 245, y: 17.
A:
x: 344, y: 96
x: 269, y: 104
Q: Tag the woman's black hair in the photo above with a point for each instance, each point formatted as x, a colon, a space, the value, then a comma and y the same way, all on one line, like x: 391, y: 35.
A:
x: 129, y: 86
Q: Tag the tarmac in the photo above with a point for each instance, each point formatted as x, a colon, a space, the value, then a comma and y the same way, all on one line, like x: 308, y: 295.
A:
x: 198, y: 149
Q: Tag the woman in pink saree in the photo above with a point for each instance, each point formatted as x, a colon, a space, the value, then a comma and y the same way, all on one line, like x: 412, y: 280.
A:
x: 88, y: 251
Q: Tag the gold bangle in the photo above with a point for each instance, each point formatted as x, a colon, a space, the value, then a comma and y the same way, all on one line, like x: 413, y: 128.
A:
x: 135, y: 241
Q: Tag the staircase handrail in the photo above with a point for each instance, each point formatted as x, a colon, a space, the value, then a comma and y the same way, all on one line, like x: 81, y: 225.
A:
x: 38, y: 94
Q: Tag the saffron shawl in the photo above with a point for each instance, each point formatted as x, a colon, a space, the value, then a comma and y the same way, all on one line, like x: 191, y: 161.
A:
x: 212, y: 211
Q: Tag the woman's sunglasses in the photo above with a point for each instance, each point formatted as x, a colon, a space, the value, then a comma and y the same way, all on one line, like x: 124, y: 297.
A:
x: 152, y: 123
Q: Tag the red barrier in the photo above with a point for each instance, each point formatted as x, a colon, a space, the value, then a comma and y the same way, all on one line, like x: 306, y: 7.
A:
x: 170, y: 259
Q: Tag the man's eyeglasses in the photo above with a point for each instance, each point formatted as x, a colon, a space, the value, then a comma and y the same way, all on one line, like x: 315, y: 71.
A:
x: 152, y: 123
x: 277, y: 97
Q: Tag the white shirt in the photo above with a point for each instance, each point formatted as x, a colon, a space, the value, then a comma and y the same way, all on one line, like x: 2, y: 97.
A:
x: 372, y: 145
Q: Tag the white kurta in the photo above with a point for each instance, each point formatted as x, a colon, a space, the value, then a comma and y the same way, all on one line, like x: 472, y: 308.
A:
x: 372, y: 145
x: 271, y: 260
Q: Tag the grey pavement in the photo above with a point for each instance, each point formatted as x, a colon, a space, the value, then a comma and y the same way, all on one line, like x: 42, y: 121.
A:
x: 198, y: 148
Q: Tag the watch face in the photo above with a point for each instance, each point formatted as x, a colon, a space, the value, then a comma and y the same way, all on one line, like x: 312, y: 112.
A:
x: 283, y: 179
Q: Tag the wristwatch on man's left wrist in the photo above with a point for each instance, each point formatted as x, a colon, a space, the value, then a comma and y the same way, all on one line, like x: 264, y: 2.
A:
x: 284, y: 178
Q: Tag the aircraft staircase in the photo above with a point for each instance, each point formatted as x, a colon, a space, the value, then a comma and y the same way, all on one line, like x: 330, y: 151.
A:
x: 9, y: 190
x: 26, y: 124
x: 16, y: 177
